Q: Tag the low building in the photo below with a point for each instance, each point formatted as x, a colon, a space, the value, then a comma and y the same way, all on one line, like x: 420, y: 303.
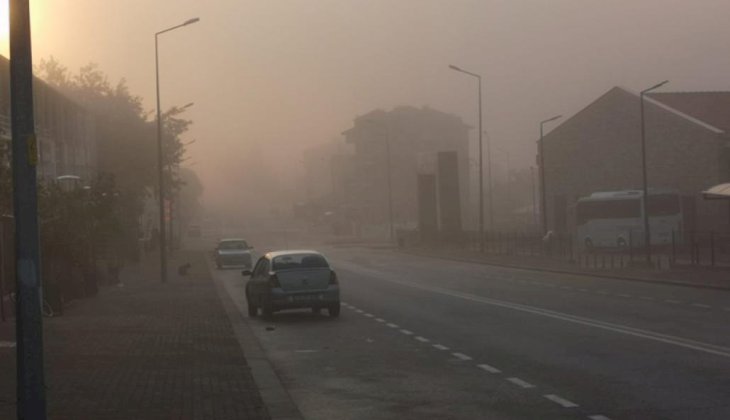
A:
x: 599, y: 149
x: 65, y: 130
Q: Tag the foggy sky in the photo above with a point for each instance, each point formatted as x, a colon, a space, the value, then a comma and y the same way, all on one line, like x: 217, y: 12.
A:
x: 295, y: 73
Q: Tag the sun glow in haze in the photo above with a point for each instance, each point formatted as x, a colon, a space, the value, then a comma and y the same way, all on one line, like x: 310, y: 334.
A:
x: 4, y: 27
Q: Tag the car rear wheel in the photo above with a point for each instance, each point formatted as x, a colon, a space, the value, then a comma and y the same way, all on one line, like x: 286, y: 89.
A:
x: 267, y: 310
x: 253, y: 310
x: 334, y: 310
x: 316, y: 311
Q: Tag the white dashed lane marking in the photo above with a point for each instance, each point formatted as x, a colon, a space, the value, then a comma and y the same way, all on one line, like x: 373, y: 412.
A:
x: 491, y: 369
x: 701, y: 305
x: 520, y: 382
x: 671, y: 301
x: 461, y: 356
x: 487, y: 368
x: 560, y: 401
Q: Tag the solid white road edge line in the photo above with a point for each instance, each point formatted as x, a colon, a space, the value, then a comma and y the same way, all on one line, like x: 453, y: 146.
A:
x: 608, y: 326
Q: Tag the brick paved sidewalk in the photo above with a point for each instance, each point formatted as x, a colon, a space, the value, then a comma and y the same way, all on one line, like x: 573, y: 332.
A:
x: 143, y: 351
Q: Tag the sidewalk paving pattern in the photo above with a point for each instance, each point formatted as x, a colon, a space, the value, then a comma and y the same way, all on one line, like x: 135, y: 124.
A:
x: 143, y: 351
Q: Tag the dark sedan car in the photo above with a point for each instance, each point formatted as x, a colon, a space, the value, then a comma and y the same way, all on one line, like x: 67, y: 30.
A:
x: 292, y: 279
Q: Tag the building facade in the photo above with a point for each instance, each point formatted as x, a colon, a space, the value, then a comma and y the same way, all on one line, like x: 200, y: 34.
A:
x: 599, y: 149
x: 64, y: 129
x: 389, y: 151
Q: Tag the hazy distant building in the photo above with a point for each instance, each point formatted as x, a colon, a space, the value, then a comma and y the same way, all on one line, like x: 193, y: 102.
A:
x: 64, y: 129
x: 410, y: 139
x: 599, y: 149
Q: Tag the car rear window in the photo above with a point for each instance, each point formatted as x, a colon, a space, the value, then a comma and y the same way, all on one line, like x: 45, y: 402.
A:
x: 294, y: 261
x: 233, y: 245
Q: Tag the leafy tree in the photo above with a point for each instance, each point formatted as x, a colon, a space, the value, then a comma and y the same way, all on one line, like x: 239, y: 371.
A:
x: 126, y: 135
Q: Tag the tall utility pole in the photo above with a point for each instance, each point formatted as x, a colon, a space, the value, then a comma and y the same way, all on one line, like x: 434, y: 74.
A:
x: 29, y: 321
x: 481, y: 158
x: 160, y: 160
x: 543, y: 195
x: 645, y: 183
x: 534, y: 204
x: 490, y: 184
x: 390, y: 182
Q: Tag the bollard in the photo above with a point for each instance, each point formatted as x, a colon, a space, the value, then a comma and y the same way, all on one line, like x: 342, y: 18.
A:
x: 712, y: 248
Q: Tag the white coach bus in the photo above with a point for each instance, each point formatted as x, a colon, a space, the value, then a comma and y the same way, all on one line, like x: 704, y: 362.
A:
x: 613, y: 218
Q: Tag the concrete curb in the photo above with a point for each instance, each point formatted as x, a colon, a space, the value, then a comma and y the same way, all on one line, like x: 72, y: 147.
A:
x: 571, y: 272
x: 279, y: 403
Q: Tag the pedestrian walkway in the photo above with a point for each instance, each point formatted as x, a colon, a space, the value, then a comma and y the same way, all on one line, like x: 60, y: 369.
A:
x: 145, y: 350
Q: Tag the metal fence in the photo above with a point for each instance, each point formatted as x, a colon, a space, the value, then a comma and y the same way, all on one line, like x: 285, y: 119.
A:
x: 690, y: 248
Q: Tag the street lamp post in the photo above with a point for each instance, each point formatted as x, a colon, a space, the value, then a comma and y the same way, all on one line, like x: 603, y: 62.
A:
x: 160, y: 163
x: 645, y: 184
x: 481, y: 165
x: 543, y: 195
x: 30, y: 374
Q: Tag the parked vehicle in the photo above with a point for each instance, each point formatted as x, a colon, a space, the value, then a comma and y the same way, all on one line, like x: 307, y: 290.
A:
x: 233, y: 252
x: 615, y: 218
x: 292, y: 279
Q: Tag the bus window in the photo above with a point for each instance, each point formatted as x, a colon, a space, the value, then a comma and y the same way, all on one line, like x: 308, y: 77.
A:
x: 663, y: 205
x: 607, y: 209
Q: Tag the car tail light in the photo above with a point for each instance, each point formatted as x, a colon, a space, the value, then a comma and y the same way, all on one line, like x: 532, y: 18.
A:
x: 333, y: 278
x: 274, y: 281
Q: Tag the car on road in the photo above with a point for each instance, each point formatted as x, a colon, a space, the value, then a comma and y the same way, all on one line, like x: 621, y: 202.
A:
x: 292, y: 279
x: 233, y: 252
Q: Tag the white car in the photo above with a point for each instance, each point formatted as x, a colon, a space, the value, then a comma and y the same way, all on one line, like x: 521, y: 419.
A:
x: 233, y: 252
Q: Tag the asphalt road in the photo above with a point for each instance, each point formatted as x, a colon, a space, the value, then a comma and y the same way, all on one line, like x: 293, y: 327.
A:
x: 428, y: 338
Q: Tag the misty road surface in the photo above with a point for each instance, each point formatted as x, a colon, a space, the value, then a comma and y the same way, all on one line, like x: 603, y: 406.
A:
x: 427, y: 338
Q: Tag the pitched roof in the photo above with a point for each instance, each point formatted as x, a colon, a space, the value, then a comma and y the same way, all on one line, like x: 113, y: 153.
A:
x: 712, y: 108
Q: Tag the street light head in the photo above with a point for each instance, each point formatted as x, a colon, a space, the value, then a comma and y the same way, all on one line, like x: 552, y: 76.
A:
x: 551, y: 119
x: 453, y: 67
x: 656, y: 86
x: 191, y: 21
